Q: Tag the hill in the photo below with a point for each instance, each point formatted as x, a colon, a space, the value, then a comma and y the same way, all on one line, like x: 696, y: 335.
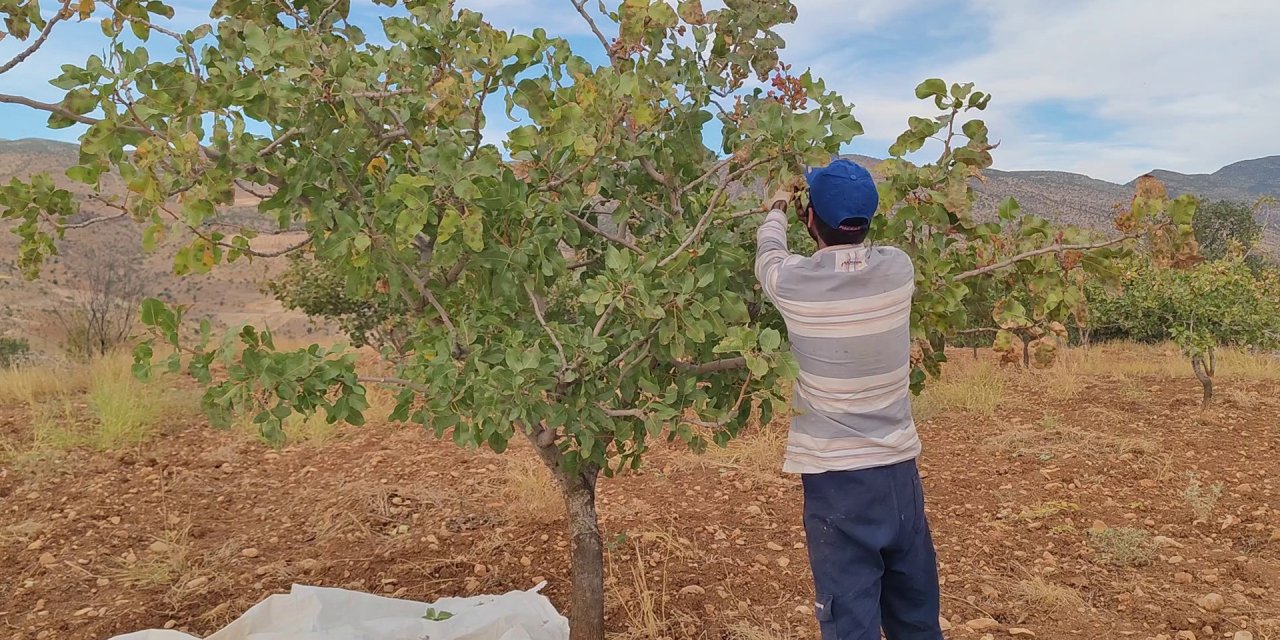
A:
x: 1076, y: 199
x: 228, y: 296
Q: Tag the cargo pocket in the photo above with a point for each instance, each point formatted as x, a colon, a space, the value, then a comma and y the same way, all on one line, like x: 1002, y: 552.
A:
x: 822, y: 611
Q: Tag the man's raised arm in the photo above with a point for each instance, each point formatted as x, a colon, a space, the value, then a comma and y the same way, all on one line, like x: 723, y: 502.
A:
x: 771, y: 242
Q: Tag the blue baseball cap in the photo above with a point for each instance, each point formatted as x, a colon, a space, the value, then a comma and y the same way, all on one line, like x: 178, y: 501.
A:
x: 843, y: 194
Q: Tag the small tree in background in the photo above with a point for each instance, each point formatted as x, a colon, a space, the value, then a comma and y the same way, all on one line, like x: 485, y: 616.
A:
x: 1225, y: 224
x: 590, y: 292
x: 13, y: 351
x: 104, y: 312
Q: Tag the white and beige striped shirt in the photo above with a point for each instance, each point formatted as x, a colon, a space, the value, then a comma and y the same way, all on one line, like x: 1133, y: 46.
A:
x: 848, y: 315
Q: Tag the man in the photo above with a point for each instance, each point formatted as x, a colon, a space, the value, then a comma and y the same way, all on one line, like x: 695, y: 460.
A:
x: 848, y: 313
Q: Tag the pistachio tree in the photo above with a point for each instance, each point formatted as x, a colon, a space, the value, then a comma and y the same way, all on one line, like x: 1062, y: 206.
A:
x: 583, y: 284
x: 1201, y: 309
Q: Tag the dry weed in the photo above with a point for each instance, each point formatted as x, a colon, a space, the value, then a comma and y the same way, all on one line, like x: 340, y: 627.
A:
x: 1052, y: 437
x: 762, y: 630
x: 1061, y: 381
x: 1123, y: 546
x: 171, y: 561
x: 1048, y: 510
x: 31, y: 384
x: 1200, y: 498
x: 1039, y: 595
x: 1238, y: 363
x: 974, y: 387
x: 641, y: 592
x: 757, y: 453
x: 529, y: 492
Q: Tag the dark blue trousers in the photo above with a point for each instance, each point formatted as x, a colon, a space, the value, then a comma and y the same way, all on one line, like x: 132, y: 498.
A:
x: 873, y: 560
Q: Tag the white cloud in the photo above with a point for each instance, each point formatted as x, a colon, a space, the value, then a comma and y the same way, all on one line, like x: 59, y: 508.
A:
x: 1188, y: 85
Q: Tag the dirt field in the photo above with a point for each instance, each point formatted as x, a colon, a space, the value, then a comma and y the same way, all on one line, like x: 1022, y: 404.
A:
x: 1090, y: 501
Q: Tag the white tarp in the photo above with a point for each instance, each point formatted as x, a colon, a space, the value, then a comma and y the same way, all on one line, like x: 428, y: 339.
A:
x: 319, y: 613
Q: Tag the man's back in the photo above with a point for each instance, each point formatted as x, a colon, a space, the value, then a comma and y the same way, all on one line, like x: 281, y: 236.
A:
x: 848, y: 315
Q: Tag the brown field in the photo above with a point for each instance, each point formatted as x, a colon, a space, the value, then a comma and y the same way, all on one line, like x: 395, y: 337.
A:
x: 1092, y: 500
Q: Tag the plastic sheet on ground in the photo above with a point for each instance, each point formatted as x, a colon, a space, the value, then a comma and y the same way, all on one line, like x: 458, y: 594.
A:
x: 320, y: 613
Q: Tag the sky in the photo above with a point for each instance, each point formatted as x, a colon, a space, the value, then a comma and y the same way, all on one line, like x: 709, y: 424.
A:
x: 1109, y: 89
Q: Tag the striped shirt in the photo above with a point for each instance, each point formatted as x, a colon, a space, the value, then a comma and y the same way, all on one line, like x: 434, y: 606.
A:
x: 848, y: 315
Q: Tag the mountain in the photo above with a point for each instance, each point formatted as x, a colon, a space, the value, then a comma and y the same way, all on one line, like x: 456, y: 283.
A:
x: 1244, y: 181
x: 1075, y: 199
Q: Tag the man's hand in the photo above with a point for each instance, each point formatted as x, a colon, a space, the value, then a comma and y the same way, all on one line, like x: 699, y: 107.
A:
x: 781, y: 199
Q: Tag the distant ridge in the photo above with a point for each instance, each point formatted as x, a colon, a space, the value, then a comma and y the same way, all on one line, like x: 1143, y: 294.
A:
x: 1067, y: 198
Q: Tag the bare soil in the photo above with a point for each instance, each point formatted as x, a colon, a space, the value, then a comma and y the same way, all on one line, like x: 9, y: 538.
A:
x: 192, y: 528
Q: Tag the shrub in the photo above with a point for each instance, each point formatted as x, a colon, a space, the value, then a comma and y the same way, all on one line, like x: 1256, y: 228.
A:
x: 13, y: 351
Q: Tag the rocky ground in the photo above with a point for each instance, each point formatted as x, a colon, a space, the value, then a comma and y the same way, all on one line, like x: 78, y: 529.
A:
x: 1090, y: 501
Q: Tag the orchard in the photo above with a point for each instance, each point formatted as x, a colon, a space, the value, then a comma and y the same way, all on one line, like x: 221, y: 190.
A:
x: 585, y: 282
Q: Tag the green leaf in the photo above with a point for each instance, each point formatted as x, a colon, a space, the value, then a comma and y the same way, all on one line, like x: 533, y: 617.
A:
x: 473, y: 232
x: 770, y: 340
x: 931, y: 88
x: 449, y: 224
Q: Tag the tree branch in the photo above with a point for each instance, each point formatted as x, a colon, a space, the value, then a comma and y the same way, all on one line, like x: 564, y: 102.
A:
x: 389, y: 93
x: 227, y: 245
x: 92, y: 221
x: 398, y: 382
x: 61, y: 14
x: 711, y: 208
x: 266, y: 151
x: 479, y: 114
x: 591, y: 22
x: 1054, y: 248
x: 723, y: 364
x: 49, y: 107
x: 604, y: 317
x: 716, y: 168
x: 600, y: 232
x: 542, y: 320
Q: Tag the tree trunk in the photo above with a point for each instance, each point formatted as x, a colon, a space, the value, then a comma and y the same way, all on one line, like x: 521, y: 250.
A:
x: 586, y: 617
x: 586, y: 612
x: 1205, y: 374
x: 1026, y: 353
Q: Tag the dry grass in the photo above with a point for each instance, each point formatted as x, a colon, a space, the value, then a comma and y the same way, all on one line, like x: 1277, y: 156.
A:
x: 1123, y: 546
x: 171, y: 561
x: 1060, y: 381
x: 762, y: 630
x: 31, y: 384
x: 1236, y: 363
x: 1244, y: 399
x: 127, y: 411
x: 529, y: 492
x: 1048, y: 510
x: 758, y: 453
x: 640, y: 590
x: 1202, y: 499
x: 966, y: 385
x: 1165, y: 360
x: 1125, y: 359
x: 1037, y: 594
x: 99, y: 405
x: 1052, y: 437
x: 311, y: 431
